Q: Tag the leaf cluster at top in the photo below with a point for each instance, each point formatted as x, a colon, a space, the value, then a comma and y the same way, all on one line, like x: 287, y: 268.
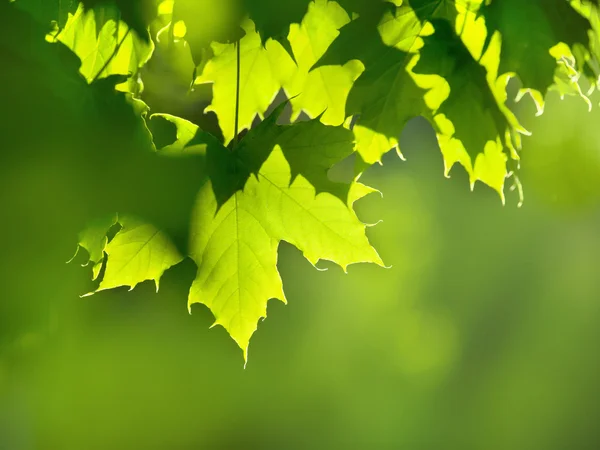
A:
x: 358, y: 70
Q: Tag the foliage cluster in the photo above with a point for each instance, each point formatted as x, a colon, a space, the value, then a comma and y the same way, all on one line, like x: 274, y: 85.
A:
x: 353, y: 73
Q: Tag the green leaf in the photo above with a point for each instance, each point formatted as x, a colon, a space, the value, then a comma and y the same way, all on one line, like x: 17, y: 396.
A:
x: 416, y: 64
x: 322, y: 91
x: 235, y: 237
x: 138, y: 252
x: 567, y: 80
x: 262, y: 71
x: 274, y: 17
x: 470, y: 105
x: 385, y: 96
x: 526, y: 43
x: 110, y: 50
x: 473, y: 125
x: 311, y: 150
x: 440, y: 9
x: 94, y: 239
x: 185, y: 142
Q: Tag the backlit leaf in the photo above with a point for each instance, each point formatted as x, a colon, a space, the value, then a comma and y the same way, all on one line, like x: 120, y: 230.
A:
x: 234, y: 239
x: 138, y: 252
x: 107, y: 50
x: 262, y: 71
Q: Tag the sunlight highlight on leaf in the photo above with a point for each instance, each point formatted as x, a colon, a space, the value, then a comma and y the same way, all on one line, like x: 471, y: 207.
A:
x: 107, y: 50
x: 263, y: 71
x: 234, y: 243
x: 138, y: 252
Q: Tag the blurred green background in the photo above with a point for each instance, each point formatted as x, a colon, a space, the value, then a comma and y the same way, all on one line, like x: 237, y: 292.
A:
x: 483, y: 335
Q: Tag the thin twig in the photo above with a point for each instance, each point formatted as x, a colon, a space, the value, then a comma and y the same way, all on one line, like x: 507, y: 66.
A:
x: 237, y: 95
x: 114, y: 53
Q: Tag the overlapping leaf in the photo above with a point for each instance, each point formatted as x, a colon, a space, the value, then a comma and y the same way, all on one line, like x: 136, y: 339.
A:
x: 526, y: 43
x: 385, y: 96
x: 322, y: 91
x: 274, y: 17
x: 473, y: 125
x: 138, y: 252
x: 392, y: 90
x: 104, y: 49
x: 273, y: 186
x: 237, y: 230
x: 262, y: 71
x: 388, y: 41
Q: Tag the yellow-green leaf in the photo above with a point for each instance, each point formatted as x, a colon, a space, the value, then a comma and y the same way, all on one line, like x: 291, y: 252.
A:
x: 109, y: 50
x: 235, y: 237
x: 138, y: 252
x: 262, y: 71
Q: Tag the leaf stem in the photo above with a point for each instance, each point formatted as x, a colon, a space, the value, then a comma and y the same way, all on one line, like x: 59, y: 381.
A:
x: 464, y: 24
x: 237, y: 94
x: 112, y: 56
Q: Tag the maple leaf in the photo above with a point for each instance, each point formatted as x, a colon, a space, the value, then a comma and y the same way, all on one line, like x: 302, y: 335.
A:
x: 486, y: 134
x: 268, y: 197
x: 526, y: 43
x: 323, y: 91
x: 274, y: 17
x: 262, y: 71
x: 416, y: 64
x: 471, y: 108
x: 265, y: 69
x: 105, y: 49
x: 138, y: 252
x: 385, y: 96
